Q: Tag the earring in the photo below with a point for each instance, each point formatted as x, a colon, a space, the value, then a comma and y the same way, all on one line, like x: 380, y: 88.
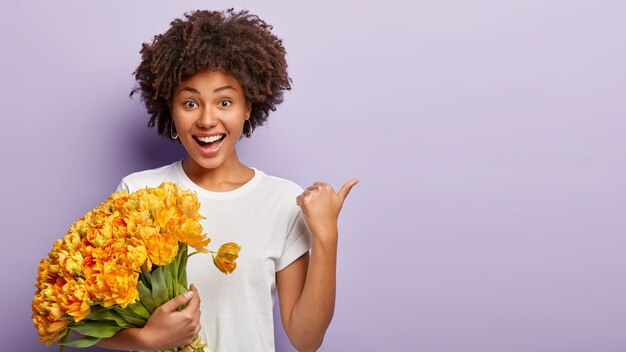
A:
x: 173, y: 132
x: 249, y: 128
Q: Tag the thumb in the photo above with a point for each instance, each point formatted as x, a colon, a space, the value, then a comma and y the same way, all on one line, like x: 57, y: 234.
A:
x: 173, y: 304
x: 345, y: 190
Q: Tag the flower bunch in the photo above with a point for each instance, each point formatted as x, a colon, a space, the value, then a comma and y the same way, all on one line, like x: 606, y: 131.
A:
x: 120, y: 262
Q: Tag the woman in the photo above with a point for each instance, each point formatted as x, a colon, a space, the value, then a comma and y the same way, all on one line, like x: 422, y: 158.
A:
x: 209, y: 80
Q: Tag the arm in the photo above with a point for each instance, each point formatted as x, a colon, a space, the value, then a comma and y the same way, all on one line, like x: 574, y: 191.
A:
x: 307, y: 286
x: 166, y: 328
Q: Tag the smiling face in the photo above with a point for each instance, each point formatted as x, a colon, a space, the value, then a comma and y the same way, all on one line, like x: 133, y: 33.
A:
x: 209, y: 109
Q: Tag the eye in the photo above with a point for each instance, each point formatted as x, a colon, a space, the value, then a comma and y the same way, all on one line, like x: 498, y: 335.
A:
x: 225, y: 103
x: 190, y: 104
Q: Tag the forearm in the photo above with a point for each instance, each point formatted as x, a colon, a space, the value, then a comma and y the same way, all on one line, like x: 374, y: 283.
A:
x: 125, y: 340
x: 314, y: 310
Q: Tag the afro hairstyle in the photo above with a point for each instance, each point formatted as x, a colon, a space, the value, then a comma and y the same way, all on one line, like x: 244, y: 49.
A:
x: 238, y: 43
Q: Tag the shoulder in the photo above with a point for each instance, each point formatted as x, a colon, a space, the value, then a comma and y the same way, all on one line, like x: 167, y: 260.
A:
x: 148, y: 178
x: 276, y: 193
x: 282, y: 185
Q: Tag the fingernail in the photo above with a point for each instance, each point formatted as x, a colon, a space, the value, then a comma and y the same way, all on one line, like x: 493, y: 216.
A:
x: 188, y: 294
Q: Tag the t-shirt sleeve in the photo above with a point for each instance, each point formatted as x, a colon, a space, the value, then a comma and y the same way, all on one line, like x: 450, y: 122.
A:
x: 297, y: 243
x: 122, y: 187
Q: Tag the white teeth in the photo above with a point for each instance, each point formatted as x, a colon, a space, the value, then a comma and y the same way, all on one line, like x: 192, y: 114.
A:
x: 210, y: 139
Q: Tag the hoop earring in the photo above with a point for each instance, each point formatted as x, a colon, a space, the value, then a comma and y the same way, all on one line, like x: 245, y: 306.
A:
x: 173, y: 133
x: 249, y: 128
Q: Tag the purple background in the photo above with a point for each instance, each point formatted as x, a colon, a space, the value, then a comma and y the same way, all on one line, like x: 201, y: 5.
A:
x: 489, y: 138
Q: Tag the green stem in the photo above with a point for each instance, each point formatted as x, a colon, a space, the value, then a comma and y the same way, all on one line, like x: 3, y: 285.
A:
x: 194, y: 253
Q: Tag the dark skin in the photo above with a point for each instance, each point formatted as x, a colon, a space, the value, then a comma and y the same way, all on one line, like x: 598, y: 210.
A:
x: 182, y: 79
x: 166, y: 328
x: 307, y: 286
x: 237, y: 42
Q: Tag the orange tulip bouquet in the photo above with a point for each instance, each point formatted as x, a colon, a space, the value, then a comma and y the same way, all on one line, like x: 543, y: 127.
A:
x: 119, y: 263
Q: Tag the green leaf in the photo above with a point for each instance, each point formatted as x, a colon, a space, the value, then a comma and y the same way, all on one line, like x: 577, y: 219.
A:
x: 182, y: 289
x: 145, y: 296
x: 159, y: 290
x: 145, y: 277
x: 182, y: 268
x: 94, y: 328
x: 177, y: 272
x: 108, y: 314
x: 167, y: 275
x: 131, y: 317
x: 139, y: 309
x: 64, y: 338
x: 83, y: 342
x: 173, y: 270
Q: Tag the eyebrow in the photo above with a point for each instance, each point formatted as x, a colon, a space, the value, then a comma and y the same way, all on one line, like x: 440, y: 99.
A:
x: 216, y: 90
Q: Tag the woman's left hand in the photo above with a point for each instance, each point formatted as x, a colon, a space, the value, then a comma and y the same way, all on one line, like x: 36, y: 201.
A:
x: 321, y: 205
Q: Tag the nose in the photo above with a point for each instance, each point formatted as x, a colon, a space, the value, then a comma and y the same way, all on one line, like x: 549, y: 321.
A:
x: 207, y: 118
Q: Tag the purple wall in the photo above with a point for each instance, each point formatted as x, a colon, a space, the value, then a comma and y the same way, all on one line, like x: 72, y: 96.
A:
x: 489, y: 139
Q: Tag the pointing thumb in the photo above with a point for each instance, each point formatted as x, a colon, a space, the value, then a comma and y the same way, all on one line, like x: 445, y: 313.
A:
x: 345, y: 190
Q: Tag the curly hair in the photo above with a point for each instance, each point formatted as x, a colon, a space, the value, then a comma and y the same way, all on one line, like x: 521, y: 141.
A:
x: 238, y: 43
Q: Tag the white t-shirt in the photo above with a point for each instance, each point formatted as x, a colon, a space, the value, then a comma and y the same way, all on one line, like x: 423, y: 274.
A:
x: 263, y: 218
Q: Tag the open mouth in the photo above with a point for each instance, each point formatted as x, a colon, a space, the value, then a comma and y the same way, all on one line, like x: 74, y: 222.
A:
x: 209, y: 142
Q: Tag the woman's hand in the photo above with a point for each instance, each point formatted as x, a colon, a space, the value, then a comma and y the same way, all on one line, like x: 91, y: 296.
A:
x: 307, y: 286
x: 321, y: 205
x: 168, y: 328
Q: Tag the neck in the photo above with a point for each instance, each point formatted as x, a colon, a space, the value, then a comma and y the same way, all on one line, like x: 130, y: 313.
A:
x: 231, y: 175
